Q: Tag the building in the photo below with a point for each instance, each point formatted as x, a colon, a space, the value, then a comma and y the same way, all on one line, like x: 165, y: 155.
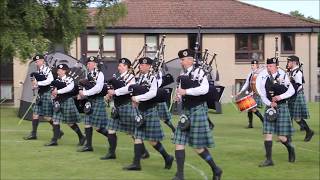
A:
x: 236, y: 31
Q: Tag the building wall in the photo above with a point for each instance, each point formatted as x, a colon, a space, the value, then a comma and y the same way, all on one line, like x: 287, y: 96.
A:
x: 20, y: 70
x: 221, y: 44
x: 131, y: 45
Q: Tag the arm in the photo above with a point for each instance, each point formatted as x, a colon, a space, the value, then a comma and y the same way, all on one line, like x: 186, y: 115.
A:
x: 97, y: 88
x: 260, y: 83
x: 290, y: 90
x: 246, y: 84
x: 67, y: 89
x: 47, y: 81
x: 150, y: 94
x: 124, y: 90
x: 200, y: 90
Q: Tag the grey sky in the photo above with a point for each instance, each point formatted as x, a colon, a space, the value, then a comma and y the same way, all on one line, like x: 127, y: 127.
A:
x: 306, y: 7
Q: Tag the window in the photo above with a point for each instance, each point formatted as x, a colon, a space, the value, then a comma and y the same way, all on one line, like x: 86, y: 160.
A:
x: 6, y: 82
x: 192, y: 39
x: 248, y: 47
x: 287, y: 43
x: 238, y: 85
x: 152, y: 45
x: 109, y: 45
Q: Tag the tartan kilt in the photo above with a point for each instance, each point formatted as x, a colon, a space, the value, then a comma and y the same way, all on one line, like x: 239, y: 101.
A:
x: 126, y: 121
x: 163, y: 111
x: 258, y: 100
x: 283, y: 125
x: 68, y: 112
x: 298, y: 107
x: 98, y: 118
x: 199, y: 134
x: 151, y: 130
x: 45, y: 108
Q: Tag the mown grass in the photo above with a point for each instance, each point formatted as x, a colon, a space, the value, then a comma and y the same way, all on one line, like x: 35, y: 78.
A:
x: 238, y: 151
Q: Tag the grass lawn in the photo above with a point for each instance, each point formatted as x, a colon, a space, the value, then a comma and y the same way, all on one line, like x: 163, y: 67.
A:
x: 238, y: 151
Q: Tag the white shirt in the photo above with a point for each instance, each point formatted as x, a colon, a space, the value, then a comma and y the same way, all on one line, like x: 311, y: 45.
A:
x: 47, y: 72
x: 129, y: 80
x: 204, y: 85
x: 152, y: 90
x: 96, y: 88
x: 247, y: 83
x: 297, y: 76
x: 70, y: 85
x: 261, y: 82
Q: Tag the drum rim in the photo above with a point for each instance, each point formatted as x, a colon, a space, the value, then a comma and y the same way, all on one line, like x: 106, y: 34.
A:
x: 243, y: 98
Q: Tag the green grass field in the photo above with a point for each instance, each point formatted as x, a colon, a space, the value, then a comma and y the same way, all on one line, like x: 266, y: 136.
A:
x: 238, y: 151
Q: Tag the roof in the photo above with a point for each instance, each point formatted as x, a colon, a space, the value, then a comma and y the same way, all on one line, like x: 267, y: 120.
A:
x: 211, y: 14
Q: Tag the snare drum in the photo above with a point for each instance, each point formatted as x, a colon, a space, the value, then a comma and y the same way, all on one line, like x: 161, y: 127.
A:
x: 246, y: 103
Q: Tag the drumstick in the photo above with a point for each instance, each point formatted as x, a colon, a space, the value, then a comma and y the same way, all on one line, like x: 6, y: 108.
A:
x: 232, y: 102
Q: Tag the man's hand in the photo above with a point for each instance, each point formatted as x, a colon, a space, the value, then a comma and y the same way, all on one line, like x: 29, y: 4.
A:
x: 81, y: 94
x: 181, y: 92
x: 54, y: 93
x: 276, y: 98
x: 111, y: 92
x: 273, y: 104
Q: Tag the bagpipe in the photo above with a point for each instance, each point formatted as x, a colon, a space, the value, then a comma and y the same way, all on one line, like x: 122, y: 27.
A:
x: 163, y: 94
x: 202, y: 64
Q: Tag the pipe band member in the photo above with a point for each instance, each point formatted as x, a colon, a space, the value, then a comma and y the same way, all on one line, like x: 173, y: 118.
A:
x: 198, y: 135
x: 297, y: 103
x: 275, y: 88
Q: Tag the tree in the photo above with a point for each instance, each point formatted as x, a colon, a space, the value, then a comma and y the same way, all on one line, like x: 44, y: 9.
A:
x: 296, y: 13
x: 37, y: 26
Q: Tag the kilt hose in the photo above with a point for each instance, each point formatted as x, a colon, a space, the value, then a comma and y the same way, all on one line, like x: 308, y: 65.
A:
x: 151, y: 130
x: 98, y: 117
x: 45, y: 106
x: 199, y: 134
x: 125, y: 123
x: 163, y: 111
x: 298, y: 107
x: 68, y: 112
x: 283, y: 124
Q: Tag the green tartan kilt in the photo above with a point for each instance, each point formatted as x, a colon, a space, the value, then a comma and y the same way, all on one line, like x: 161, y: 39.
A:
x: 163, y: 111
x: 98, y: 118
x: 126, y: 121
x: 151, y: 130
x: 298, y: 107
x: 68, y: 112
x: 45, y: 107
x: 199, y: 134
x: 283, y: 125
x: 258, y: 100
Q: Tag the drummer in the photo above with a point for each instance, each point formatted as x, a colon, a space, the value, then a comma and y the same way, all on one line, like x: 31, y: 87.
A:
x: 249, y: 88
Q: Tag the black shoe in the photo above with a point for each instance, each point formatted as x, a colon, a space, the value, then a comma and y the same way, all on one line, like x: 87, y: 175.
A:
x: 249, y: 126
x: 109, y: 156
x: 30, y: 137
x: 81, y: 141
x: 52, y: 143
x: 292, y: 155
x: 177, y: 178
x: 60, y: 134
x: 145, y: 155
x: 168, y: 162
x: 217, y: 174
x: 132, y: 167
x: 266, y: 163
x: 85, y: 149
x: 309, y: 135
